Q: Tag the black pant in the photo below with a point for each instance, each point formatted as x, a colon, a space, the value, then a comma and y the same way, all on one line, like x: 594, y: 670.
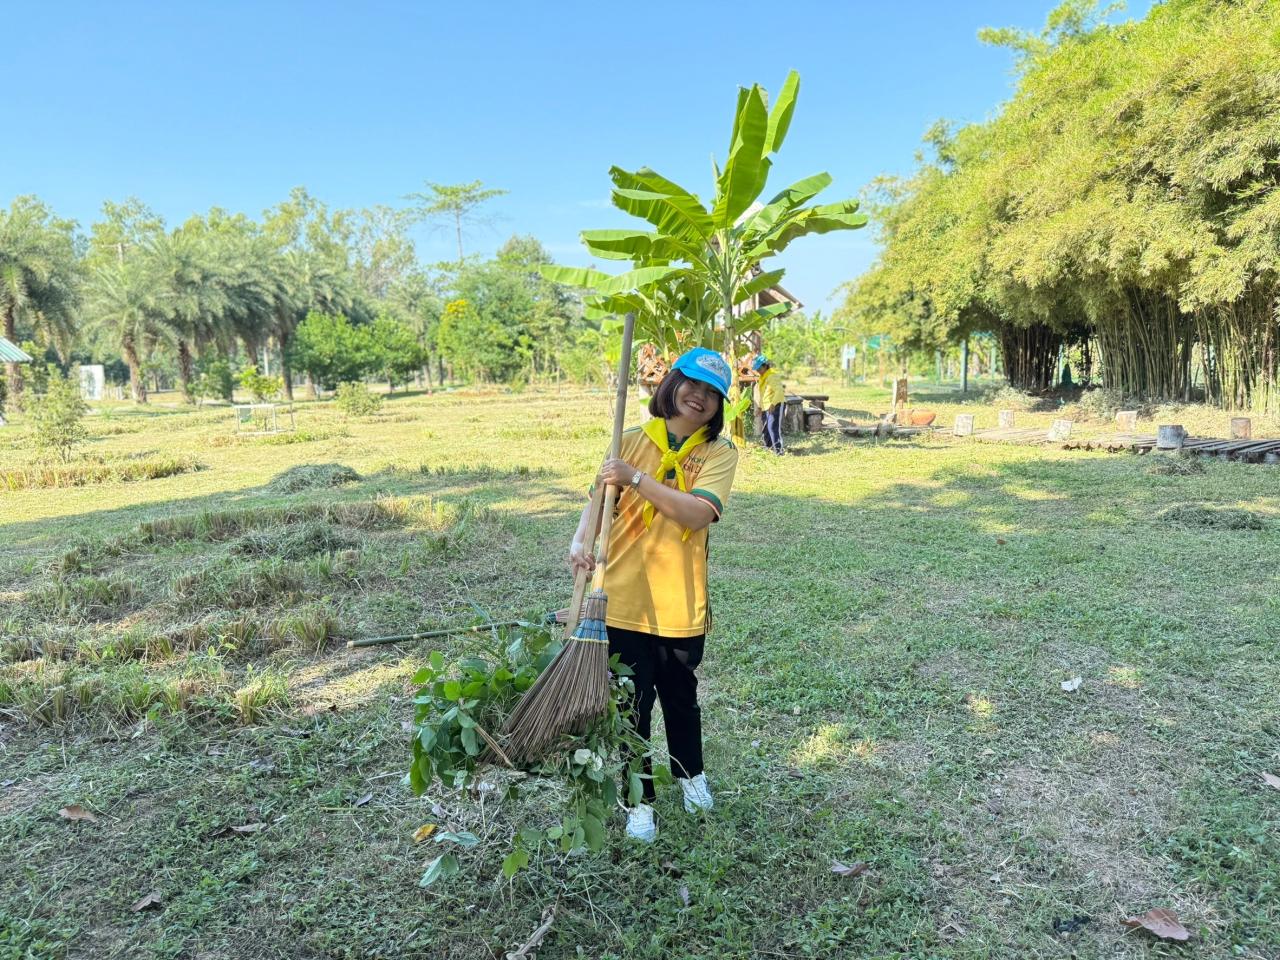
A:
x: 663, y: 669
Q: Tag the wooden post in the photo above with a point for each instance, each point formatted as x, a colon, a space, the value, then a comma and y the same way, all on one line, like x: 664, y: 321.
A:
x: 1127, y: 421
x: 964, y: 366
x: 1005, y: 419
x: 1169, y: 436
x: 964, y: 425
x: 1241, y: 428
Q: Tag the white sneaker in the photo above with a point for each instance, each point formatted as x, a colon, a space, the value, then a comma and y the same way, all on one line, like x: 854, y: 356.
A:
x: 697, y: 795
x: 640, y: 825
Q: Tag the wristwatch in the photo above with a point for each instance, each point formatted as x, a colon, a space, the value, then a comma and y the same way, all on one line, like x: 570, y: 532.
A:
x: 635, y: 480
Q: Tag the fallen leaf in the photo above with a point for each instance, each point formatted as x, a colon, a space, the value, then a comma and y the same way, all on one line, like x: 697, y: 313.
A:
x: 795, y: 711
x: 1163, y: 923
x: 152, y: 899
x: 424, y: 831
x: 363, y: 800
x: 1072, y: 685
x: 845, y: 870
x: 795, y: 774
x: 684, y: 894
x: 1001, y: 541
x: 670, y: 867
x: 77, y: 812
x: 1271, y: 780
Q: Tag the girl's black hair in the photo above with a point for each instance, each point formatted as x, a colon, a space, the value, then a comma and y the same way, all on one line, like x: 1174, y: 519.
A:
x: 663, y: 403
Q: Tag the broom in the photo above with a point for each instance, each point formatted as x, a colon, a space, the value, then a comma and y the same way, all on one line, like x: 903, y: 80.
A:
x: 574, y: 688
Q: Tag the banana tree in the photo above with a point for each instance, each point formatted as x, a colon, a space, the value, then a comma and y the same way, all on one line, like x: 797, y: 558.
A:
x: 711, y: 253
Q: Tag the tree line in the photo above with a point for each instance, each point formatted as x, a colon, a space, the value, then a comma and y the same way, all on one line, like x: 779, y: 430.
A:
x: 1122, y: 206
x: 337, y: 295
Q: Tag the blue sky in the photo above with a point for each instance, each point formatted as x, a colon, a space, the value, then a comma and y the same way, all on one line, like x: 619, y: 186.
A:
x: 195, y: 104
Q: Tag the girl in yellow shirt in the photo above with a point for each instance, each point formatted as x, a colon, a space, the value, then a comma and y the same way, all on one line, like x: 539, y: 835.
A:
x: 675, y: 473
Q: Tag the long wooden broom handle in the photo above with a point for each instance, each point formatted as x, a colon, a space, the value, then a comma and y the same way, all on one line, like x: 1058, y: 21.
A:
x: 619, y: 416
x: 602, y: 502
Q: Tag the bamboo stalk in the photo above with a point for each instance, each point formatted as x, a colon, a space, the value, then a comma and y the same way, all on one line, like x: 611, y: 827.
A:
x: 443, y: 632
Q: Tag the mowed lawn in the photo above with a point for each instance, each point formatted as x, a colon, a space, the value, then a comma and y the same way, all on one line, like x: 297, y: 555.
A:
x: 894, y: 622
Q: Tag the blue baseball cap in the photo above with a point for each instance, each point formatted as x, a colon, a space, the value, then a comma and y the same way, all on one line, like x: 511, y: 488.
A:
x: 707, y: 366
x: 759, y: 362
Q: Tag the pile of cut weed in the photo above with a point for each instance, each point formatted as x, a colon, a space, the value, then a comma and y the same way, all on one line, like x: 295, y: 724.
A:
x: 1221, y: 518
x: 1179, y: 465
x: 40, y: 476
x: 313, y: 476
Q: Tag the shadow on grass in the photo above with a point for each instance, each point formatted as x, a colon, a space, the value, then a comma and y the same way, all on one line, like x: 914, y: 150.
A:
x: 882, y: 685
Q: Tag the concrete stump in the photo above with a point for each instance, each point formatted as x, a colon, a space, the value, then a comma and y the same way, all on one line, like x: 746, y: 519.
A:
x: 793, y: 415
x: 1061, y: 430
x: 1127, y: 421
x: 1241, y: 428
x: 964, y: 425
x: 1169, y: 436
x: 1005, y: 419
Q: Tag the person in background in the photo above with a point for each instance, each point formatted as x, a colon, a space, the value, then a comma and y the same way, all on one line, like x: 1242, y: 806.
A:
x: 769, y: 399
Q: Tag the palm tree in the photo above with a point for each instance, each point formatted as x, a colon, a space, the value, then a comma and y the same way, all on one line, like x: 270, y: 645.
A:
x: 304, y: 281
x: 124, y: 305
x: 191, y: 293
x: 38, y: 276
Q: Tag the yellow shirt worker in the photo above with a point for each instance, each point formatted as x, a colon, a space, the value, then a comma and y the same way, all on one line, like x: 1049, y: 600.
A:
x: 675, y: 473
x: 769, y: 397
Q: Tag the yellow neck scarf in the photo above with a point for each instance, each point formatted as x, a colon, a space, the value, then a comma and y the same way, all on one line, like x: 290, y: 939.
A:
x: 656, y: 430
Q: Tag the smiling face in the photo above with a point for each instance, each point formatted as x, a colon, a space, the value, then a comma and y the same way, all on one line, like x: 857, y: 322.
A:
x: 697, y: 402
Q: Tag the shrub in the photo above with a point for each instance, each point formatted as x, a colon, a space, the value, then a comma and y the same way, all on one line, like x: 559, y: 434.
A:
x: 355, y: 400
x: 261, y: 387
x: 215, y: 382
x: 57, y: 417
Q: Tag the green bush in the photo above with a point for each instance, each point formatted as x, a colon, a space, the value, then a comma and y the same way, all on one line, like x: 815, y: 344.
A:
x: 262, y: 388
x: 355, y: 400
x: 458, y: 704
x: 56, y: 417
x: 215, y: 382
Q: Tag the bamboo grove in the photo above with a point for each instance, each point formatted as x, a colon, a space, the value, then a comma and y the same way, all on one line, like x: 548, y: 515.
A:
x: 1124, y: 204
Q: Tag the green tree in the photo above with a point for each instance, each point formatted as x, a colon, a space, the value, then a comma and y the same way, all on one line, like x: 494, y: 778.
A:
x: 56, y: 416
x: 394, y: 350
x: 332, y: 350
x: 124, y: 308
x: 717, y: 250
x: 39, y: 277
x: 452, y: 204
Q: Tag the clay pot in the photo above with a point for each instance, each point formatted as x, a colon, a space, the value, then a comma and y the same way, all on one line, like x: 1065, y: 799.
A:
x: 922, y: 418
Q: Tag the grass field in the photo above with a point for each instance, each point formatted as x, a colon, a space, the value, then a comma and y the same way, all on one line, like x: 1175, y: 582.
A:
x: 893, y: 624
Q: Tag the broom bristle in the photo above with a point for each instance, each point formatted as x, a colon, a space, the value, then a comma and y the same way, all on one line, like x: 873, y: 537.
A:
x: 569, y: 695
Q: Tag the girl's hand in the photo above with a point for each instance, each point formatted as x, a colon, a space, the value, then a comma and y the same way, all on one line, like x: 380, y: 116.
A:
x: 616, y: 472
x: 580, y: 558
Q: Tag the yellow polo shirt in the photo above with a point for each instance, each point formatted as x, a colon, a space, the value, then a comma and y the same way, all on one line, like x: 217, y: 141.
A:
x: 768, y: 390
x: 656, y: 581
